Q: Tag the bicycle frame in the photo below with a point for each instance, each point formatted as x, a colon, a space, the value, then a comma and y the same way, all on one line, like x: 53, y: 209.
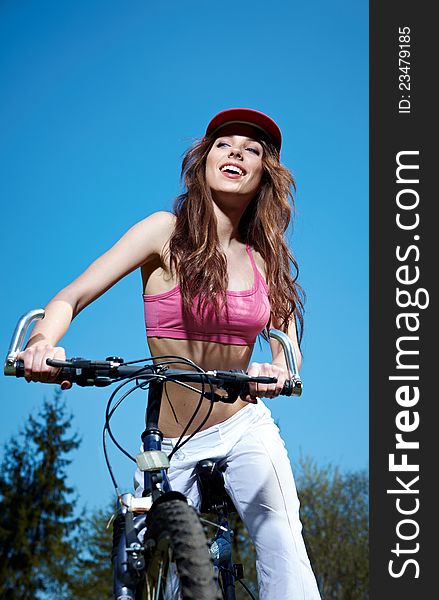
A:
x: 129, y: 551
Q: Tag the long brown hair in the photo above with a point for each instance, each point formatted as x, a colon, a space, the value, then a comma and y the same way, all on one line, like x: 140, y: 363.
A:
x: 195, y: 255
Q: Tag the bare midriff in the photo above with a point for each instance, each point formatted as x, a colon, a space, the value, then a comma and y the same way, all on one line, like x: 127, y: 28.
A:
x: 177, y: 411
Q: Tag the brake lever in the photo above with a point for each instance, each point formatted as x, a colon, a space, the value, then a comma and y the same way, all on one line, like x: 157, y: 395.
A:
x: 84, y: 372
x: 236, y: 376
x: 82, y: 363
x: 59, y: 364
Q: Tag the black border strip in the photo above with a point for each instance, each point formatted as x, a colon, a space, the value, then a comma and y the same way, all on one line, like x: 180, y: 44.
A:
x: 403, y: 232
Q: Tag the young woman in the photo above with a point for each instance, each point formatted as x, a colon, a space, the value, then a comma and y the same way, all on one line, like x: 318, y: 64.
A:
x: 215, y: 273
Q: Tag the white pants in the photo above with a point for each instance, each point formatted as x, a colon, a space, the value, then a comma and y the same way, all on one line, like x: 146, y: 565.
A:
x: 260, y: 481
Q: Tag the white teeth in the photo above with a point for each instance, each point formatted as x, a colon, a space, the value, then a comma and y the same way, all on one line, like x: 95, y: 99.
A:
x: 232, y: 168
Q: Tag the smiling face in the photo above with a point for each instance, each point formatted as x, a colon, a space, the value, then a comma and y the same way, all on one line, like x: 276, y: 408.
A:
x: 234, y: 164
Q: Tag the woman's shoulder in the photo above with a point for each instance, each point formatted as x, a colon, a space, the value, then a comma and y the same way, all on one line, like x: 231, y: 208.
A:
x: 160, y: 218
x: 159, y: 224
x: 150, y: 235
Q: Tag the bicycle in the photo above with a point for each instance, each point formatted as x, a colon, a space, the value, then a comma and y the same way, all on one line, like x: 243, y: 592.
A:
x: 160, y: 551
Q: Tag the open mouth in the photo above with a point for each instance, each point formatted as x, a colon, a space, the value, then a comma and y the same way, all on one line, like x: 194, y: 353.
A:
x: 231, y: 169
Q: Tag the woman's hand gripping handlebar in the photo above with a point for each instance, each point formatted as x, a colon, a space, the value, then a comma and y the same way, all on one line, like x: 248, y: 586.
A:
x: 86, y: 372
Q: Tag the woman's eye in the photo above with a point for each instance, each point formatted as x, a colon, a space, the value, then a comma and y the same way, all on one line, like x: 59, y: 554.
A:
x: 220, y: 144
x: 254, y: 150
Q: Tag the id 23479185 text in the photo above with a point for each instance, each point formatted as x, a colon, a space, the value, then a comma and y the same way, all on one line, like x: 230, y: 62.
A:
x: 404, y: 104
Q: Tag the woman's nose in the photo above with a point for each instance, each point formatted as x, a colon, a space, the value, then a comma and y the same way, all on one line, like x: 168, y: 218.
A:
x: 235, y: 152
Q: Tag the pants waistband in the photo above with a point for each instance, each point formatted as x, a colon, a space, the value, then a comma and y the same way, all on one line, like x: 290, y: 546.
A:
x: 245, y: 414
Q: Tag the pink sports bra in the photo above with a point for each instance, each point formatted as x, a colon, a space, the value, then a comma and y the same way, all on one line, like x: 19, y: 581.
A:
x: 248, y: 312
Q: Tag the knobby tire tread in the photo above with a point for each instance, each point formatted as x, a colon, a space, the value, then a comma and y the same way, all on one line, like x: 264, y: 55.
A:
x: 175, y: 523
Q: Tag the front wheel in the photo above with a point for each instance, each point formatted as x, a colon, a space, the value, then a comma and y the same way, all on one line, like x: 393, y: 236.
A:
x: 179, y: 566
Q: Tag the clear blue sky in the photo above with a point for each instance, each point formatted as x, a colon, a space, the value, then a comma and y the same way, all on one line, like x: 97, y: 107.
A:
x: 99, y: 101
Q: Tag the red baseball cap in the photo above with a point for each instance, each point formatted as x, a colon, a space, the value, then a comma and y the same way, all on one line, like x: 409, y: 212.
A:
x: 248, y: 116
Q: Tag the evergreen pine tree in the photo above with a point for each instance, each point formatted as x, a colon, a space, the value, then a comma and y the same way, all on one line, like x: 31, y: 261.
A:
x: 92, y: 575
x: 37, y: 522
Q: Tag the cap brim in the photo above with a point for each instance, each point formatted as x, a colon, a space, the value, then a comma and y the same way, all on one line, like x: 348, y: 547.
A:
x: 246, y: 116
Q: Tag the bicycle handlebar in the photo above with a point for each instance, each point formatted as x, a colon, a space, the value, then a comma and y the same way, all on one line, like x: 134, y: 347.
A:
x: 85, y: 372
x: 18, y: 336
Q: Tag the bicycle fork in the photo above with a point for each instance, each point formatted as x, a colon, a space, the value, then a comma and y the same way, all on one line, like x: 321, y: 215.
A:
x: 127, y: 555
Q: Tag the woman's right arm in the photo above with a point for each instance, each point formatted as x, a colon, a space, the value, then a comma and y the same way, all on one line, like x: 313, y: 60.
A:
x: 142, y: 243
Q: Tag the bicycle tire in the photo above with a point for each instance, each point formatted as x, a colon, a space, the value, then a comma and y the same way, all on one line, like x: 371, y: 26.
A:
x: 179, y: 566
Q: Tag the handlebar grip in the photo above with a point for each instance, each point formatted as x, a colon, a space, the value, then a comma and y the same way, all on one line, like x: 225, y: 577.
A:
x: 19, y: 368
x: 65, y: 374
x: 88, y: 373
x: 291, y: 387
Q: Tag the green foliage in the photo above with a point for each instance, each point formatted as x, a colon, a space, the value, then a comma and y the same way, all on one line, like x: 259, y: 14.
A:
x: 45, y: 552
x: 92, y: 575
x: 37, y: 526
x: 334, y: 514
